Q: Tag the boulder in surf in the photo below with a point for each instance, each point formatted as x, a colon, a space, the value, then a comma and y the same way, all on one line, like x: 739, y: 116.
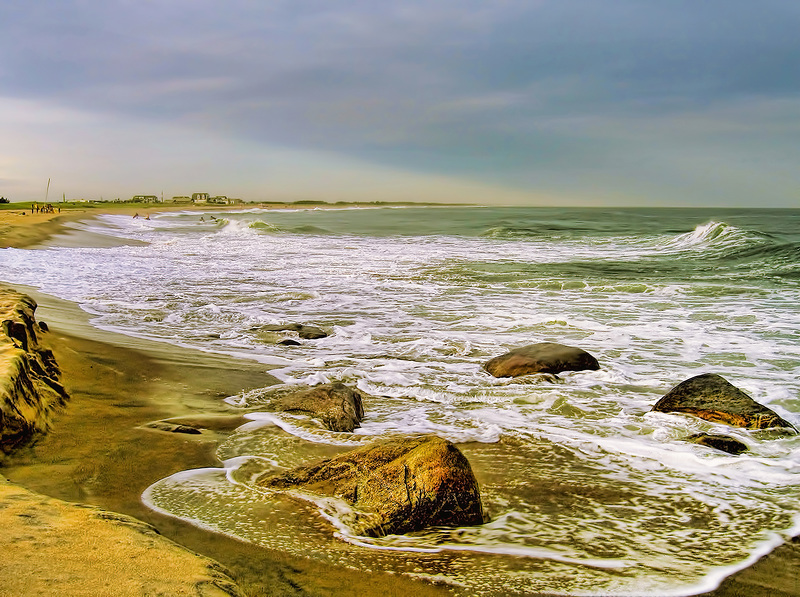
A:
x: 713, y: 398
x: 544, y: 357
x: 719, y: 442
x: 306, y: 332
x: 393, y: 487
x: 337, y: 406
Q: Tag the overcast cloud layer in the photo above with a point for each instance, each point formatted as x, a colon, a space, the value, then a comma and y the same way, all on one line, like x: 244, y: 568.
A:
x: 571, y: 101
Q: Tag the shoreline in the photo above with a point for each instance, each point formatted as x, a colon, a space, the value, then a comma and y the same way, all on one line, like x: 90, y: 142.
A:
x: 170, y: 376
x: 100, y: 453
x: 21, y: 230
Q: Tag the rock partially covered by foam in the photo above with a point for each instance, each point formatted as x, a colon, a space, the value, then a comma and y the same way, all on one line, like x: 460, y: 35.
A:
x: 719, y: 442
x: 337, y: 406
x: 713, y: 398
x: 306, y: 332
x: 394, y: 487
x: 544, y: 357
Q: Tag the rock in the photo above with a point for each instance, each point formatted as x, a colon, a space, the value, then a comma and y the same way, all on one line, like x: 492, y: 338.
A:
x: 337, y: 406
x: 306, y: 332
x: 310, y: 332
x: 713, y: 398
x: 544, y: 357
x: 289, y: 342
x: 30, y: 386
x: 173, y: 427
x: 720, y: 442
x: 395, y: 487
x: 16, y: 331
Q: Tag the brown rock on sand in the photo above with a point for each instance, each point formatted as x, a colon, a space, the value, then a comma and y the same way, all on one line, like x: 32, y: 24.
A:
x: 396, y: 486
x: 713, y: 398
x: 544, y: 357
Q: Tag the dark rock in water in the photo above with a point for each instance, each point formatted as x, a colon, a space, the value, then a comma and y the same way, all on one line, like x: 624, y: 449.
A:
x: 396, y: 486
x: 720, y: 442
x: 545, y: 357
x: 713, y: 398
x: 306, y: 332
x: 310, y: 332
x: 338, y: 407
x: 289, y: 342
x: 44, y: 327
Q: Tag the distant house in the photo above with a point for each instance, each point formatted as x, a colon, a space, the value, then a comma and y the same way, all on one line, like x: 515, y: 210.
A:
x: 145, y: 199
x: 199, y: 197
x: 181, y: 199
x: 223, y: 200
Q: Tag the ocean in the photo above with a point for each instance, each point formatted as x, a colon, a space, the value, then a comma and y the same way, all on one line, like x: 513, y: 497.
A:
x: 587, y: 491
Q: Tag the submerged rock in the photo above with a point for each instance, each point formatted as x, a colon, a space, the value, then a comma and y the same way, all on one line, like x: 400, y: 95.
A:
x: 544, y: 357
x: 173, y: 427
x: 713, y: 398
x: 337, y: 406
x: 719, y: 442
x: 396, y: 486
x: 306, y: 332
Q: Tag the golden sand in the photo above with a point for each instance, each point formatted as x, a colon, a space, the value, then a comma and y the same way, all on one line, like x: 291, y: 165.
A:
x: 101, y: 452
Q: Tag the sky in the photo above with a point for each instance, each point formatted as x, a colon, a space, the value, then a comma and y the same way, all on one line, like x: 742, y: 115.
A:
x: 517, y: 102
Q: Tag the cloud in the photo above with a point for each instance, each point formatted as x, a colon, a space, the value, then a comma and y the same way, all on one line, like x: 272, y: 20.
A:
x: 555, y: 96
x: 100, y: 156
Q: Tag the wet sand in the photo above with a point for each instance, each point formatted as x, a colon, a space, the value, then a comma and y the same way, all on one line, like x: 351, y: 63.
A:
x: 99, y: 453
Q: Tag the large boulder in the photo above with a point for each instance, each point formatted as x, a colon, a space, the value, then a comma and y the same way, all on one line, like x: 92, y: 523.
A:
x: 396, y: 486
x: 713, y: 398
x: 544, y: 357
x: 30, y: 380
x: 336, y: 406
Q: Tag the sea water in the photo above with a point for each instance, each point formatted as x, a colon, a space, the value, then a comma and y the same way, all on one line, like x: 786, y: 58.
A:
x: 587, y: 491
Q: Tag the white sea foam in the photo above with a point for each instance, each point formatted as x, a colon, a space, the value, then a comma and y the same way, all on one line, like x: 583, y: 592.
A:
x: 412, y: 319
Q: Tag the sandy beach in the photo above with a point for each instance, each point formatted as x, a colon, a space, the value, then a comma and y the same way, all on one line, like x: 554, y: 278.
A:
x: 102, y: 452
x: 19, y: 227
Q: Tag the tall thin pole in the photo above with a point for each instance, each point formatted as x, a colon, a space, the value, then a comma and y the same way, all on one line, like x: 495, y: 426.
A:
x: 47, y: 193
